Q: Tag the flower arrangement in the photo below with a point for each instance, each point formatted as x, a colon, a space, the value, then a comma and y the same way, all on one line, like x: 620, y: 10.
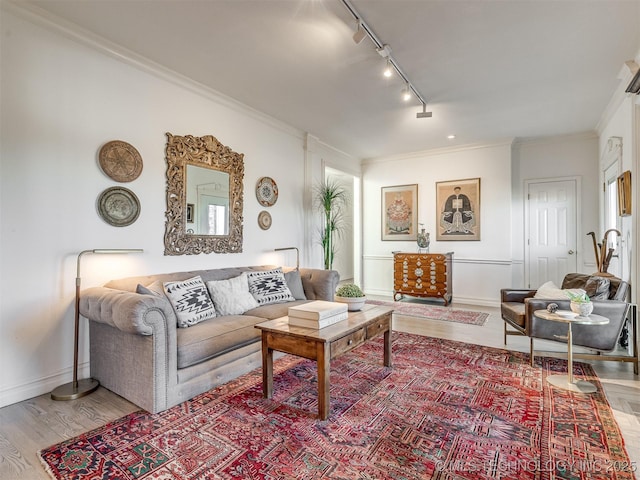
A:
x: 349, y: 290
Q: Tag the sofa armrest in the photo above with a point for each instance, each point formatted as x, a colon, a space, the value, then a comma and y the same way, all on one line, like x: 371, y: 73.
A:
x: 127, y: 311
x: 319, y: 284
x: 515, y: 295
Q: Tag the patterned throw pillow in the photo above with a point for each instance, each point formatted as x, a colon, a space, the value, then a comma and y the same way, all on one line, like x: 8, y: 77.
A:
x: 269, y: 286
x: 232, y: 296
x: 190, y: 300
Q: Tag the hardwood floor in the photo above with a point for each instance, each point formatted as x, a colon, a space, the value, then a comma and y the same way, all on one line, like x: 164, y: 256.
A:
x: 33, y: 424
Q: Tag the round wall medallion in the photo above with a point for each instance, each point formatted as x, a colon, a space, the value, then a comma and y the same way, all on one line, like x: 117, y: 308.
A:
x: 264, y: 220
x: 118, y: 206
x: 266, y: 191
x: 120, y: 161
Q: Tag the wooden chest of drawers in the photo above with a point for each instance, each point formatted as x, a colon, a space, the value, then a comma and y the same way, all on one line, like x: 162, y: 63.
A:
x: 422, y: 275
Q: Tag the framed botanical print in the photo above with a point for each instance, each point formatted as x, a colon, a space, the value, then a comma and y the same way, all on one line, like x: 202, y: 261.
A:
x: 400, y: 212
x: 458, y: 209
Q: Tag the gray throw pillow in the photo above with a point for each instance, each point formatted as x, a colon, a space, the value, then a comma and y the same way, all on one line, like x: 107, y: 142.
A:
x: 598, y: 288
x: 294, y: 282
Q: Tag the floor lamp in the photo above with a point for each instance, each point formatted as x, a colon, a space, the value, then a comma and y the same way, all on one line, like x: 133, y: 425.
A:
x: 80, y: 388
x: 291, y: 248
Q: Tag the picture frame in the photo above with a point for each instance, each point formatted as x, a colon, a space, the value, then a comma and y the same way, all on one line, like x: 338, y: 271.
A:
x: 400, y: 212
x: 624, y: 194
x: 458, y: 210
x: 190, y: 208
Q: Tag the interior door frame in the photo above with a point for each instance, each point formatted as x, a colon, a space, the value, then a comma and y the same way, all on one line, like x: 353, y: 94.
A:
x: 579, y: 244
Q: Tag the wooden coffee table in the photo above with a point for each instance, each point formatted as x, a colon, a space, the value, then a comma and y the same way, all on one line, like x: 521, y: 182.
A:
x: 323, y: 345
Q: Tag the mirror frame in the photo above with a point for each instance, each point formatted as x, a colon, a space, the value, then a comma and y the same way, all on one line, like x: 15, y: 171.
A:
x: 205, y: 152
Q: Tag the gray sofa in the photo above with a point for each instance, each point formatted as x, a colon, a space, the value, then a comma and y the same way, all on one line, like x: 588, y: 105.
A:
x: 138, y: 352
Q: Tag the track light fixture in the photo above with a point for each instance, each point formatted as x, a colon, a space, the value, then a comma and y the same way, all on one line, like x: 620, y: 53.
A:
x: 388, y: 69
x: 360, y: 34
x: 406, y: 93
x: 384, y: 51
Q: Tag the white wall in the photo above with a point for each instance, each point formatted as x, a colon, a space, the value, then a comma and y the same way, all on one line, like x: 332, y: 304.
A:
x: 480, y: 268
x: 61, y: 100
x: 565, y: 156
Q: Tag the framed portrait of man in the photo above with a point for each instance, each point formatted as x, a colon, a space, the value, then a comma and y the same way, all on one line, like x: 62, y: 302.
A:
x: 458, y: 209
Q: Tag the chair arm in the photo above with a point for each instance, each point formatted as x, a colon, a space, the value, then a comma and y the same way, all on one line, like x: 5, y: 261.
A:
x: 128, y: 311
x: 598, y: 337
x: 515, y: 295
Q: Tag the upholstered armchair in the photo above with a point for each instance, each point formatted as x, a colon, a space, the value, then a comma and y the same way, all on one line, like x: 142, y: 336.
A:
x: 609, y: 295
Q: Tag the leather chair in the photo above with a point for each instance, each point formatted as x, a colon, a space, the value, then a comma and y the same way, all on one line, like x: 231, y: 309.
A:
x: 517, y: 307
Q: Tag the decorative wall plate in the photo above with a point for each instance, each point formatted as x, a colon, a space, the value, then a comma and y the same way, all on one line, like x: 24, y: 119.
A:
x: 118, y: 206
x: 120, y: 161
x: 266, y: 191
x: 264, y: 220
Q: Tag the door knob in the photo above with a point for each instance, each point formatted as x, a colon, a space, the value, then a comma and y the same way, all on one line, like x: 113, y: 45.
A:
x: 571, y: 252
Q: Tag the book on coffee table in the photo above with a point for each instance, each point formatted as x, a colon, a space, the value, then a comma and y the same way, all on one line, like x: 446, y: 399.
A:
x: 317, y: 310
x: 320, y: 323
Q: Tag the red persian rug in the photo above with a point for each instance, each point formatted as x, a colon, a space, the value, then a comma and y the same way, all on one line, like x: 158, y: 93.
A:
x: 445, y: 410
x: 435, y: 312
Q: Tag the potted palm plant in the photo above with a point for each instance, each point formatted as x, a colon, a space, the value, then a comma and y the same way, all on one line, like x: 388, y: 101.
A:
x: 331, y: 198
x: 352, y: 295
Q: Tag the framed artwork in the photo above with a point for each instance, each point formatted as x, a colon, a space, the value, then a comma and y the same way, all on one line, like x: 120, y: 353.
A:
x: 624, y: 194
x: 400, y: 212
x: 458, y: 209
x: 190, y: 207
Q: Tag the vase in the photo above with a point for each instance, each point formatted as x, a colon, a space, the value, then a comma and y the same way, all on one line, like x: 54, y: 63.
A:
x: 582, y: 309
x: 423, y: 240
x: 353, y: 303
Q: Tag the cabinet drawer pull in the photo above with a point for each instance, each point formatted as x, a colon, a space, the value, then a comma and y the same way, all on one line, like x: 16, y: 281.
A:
x: 350, y: 341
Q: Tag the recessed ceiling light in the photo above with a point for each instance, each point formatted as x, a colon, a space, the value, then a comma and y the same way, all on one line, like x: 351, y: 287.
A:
x: 451, y: 137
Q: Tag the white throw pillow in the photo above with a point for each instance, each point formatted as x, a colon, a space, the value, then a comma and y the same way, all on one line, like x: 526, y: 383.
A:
x: 550, y: 291
x: 190, y: 300
x: 269, y: 286
x: 232, y: 296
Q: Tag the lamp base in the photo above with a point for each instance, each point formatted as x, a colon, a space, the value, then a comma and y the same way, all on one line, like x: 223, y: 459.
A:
x: 69, y: 392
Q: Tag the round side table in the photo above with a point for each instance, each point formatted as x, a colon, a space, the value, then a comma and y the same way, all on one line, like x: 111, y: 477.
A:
x: 567, y: 382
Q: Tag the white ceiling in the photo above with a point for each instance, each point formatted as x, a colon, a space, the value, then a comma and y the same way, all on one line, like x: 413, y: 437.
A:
x: 488, y: 69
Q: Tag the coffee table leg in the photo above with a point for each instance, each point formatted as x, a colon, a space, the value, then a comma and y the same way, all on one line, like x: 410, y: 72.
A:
x: 267, y: 368
x: 324, y: 372
x: 387, y: 348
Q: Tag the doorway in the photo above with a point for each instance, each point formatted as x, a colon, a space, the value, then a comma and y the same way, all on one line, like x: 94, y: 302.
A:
x: 551, y: 219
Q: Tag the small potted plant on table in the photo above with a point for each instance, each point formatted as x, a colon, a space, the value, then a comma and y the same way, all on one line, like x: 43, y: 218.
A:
x: 581, y: 303
x: 352, y: 295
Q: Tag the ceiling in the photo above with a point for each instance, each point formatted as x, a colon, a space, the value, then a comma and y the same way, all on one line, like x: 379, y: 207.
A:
x: 489, y: 69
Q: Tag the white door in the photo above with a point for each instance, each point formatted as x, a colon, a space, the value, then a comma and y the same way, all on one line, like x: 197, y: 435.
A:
x: 552, y: 226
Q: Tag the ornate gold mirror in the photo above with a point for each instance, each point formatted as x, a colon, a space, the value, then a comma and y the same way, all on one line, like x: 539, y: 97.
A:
x: 204, y: 196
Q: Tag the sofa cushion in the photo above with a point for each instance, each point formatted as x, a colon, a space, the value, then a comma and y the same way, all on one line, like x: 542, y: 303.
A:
x: 190, y: 300
x: 232, y: 296
x: 269, y: 286
x: 214, y: 337
x: 274, y: 310
x: 514, y: 312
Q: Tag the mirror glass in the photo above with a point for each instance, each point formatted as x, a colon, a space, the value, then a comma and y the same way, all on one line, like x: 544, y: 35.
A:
x: 207, y: 201
x: 204, y: 196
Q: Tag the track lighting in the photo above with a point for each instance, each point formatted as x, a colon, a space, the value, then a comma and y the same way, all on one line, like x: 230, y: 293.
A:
x: 360, y: 34
x: 388, y: 69
x: 384, y: 51
x: 406, y: 93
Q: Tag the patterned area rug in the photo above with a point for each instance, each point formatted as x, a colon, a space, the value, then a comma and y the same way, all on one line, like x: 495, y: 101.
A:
x: 435, y: 312
x: 445, y: 410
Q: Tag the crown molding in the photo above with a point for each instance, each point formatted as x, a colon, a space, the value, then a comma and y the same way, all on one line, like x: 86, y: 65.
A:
x: 592, y: 134
x: 41, y: 17
x: 438, y: 151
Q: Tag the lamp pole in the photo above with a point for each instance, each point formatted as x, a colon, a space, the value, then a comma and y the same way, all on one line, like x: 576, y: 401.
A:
x: 291, y: 248
x: 80, y: 388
